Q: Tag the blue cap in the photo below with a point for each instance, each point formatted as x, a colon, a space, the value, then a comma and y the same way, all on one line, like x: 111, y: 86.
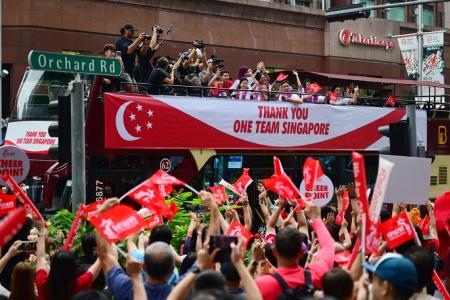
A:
x: 397, y: 270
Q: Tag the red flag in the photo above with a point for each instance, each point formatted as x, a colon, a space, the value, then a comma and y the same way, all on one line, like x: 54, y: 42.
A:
x: 170, y: 211
x: 11, y: 224
x: 118, y: 222
x: 277, y: 166
x: 281, y: 183
x: 219, y: 194
x: 282, y: 76
x: 440, y: 286
x: 237, y: 229
x: 243, y: 182
x: 311, y: 172
x: 345, y: 204
x: 371, y: 233
x: 74, y: 228
x: 355, y: 252
x: 281, y: 186
x: 91, y: 209
x: 148, y: 195
x: 314, y: 87
x: 424, y: 225
x: 7, y: 203
x: 153, y: 221
x: 391, y: 101
x: 21, y: 196
x: 397, y: 230
x: 359, y: 172
x: 342, y: 258
x: 165, y: 182
x: 372, y: 240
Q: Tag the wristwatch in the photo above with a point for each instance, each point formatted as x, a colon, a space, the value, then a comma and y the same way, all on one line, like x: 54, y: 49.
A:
x: 195, y: 269
x: 254, y: 263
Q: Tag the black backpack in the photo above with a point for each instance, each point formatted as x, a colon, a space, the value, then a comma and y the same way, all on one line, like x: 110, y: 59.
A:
x: 297, y: 293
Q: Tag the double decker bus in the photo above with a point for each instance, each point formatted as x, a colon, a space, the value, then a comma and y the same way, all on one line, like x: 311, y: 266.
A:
x: 198, y: 139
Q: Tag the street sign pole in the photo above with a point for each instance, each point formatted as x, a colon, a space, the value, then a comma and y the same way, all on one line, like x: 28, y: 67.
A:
x: 77, y: 64
x: 78, y: 144
x: 419, y: 19
x: 412, y: 127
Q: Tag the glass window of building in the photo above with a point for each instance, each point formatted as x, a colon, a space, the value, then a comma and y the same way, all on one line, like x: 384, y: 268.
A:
x: 396, y: 14
x: 428, y: 15
x: 368, y: 3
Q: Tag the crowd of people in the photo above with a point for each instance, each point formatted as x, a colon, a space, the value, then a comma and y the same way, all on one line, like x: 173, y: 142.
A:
x: 193, y: 73
x: 293, y: 254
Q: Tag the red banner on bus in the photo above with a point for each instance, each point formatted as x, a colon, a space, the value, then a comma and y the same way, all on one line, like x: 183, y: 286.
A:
x: 174, y: 122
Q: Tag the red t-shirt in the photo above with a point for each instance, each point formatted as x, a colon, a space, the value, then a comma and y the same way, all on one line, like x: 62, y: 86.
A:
x: 83, y: 282
x: 294, y: 277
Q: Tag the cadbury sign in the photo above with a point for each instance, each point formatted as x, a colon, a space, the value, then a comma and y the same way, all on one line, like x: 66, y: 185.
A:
x: 346, y: 37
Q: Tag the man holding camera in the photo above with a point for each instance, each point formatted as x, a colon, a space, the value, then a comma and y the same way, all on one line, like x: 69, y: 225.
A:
x: 127, y: 47
x: 148, y: 47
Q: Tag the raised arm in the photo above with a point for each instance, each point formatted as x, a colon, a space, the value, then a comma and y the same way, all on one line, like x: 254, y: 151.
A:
x: 41, y: 261
x: 247, y: 212
x: 209, y: 203
x: 347, y: 243
x: 302, y: 223
x: 95, y: 269
x: 325, y: 256
x: 299, y: 83
x: 106, y: 253
x: 433, y: 228
x: 134, y: 269
x: 12, y: 251
x: 276, y: 214
x: 205, y: 260
x: 131, y: 48
x: 154, y: 39
x: 249, y: 285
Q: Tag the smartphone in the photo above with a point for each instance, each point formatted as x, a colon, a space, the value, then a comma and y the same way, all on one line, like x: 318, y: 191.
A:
x: 118, y: 53
x: 28, y: 246
x: 222, y: 242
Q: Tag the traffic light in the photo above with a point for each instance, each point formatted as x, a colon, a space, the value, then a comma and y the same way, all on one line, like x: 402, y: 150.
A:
x: 347, y: 12
x: 398, y: 135
x: 60, y: 129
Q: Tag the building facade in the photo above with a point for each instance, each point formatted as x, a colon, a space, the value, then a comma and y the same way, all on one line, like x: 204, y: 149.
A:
x: 285, y: 34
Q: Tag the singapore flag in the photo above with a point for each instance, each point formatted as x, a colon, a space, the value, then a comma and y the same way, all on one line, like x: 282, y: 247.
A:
x: 133, y: 120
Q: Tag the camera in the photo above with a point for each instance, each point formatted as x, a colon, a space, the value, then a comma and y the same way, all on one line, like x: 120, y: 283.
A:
x: 192, y: 207
x: 184, y: 54
x: 158, y: 29
x: 27, y: 246
x: 199, y: 44
x: 217, y: 62
x: 222, y: 242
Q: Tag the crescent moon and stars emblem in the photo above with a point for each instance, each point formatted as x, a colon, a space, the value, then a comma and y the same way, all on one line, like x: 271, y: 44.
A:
x: 139, y: 118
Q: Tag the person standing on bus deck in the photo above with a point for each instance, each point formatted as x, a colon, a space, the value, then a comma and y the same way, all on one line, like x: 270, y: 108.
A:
x: 127, y: 47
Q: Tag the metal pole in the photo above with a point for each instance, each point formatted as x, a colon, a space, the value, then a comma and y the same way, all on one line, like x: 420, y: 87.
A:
x: 419, y: 19
x: 78, y: 144
x: 411, y: 114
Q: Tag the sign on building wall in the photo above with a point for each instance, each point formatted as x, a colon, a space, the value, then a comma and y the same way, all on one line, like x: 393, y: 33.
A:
x: 408, y: 47
x: 348, y: 37
x: 433, y: 60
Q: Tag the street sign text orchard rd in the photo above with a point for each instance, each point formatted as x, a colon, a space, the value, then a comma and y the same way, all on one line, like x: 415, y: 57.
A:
x: 346, y: 37
x: 58, y: 62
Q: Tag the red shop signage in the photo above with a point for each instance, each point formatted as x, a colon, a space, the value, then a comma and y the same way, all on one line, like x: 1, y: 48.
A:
x: 346, y: 37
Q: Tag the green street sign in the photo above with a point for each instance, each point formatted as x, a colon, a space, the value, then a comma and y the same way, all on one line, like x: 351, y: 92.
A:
x: 69, y: 63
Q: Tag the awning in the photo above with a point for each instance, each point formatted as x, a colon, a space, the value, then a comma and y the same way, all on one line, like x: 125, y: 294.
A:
x: 376, y: 80
x: 330, y: 79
